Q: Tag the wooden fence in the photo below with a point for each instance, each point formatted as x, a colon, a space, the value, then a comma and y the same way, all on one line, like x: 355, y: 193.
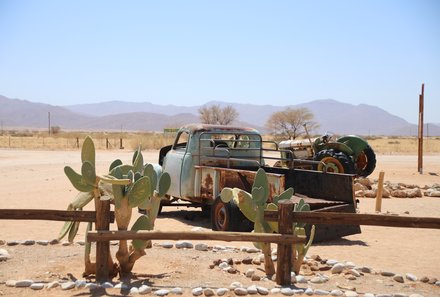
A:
x: 284, y: 240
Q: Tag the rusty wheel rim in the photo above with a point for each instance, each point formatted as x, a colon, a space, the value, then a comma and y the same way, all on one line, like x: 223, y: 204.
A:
x: 221, y: 218
x: 361, y: 161
x: 333, y: 165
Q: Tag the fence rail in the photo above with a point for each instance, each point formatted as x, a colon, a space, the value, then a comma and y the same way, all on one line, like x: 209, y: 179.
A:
x: 191, y: 235
x: 335, y: 218
x: 50, y: 215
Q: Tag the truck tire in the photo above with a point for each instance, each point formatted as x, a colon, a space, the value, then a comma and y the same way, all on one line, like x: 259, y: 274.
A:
x: 366, y: 162
x: 337, y: 162
x: 228, y: 217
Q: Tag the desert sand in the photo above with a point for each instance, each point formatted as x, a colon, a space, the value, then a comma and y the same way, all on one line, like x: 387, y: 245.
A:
x: 35, y: 179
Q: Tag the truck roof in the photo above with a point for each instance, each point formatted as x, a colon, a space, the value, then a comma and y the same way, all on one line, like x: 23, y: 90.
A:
x: 218, y: 128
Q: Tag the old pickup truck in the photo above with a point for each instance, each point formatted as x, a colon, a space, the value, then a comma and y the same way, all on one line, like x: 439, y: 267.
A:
x: 206, y: 158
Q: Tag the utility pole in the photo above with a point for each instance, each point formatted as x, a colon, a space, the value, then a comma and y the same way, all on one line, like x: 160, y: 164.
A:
x: 420, y: 151
x: 48, y: 117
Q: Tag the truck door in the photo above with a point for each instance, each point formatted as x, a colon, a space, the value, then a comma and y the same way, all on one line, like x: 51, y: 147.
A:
x: 173, y: 162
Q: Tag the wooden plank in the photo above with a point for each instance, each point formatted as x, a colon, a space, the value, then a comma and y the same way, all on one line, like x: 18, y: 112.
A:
x: 102, y: 248
x: 333, y: 218
x: 379, y: 194
x: 284, y: 251
x: 49, y: 215
x: 190, y: 235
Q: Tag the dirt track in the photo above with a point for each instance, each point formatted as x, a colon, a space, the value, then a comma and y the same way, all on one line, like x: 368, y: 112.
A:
x: 35, y: 179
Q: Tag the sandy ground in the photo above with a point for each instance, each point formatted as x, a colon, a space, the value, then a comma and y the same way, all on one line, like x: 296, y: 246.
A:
x: 35, y: 179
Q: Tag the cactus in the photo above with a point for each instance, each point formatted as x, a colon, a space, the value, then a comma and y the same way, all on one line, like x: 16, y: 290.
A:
x: 127, y: 186
x: 253, y: 205
x: 299, y: 250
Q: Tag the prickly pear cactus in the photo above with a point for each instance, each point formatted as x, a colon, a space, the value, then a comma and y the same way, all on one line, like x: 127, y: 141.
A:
x: 127, y: 187
x: 253, y: 205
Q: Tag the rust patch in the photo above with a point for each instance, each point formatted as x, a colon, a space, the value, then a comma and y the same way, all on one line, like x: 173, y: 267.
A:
x: 207, y: 189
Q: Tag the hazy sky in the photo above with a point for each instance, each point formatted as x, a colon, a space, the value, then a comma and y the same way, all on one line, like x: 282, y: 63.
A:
x: 191, y: 52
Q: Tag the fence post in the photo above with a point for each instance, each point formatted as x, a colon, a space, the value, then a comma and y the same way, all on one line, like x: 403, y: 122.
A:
x: 284, y: 251
x: 77, y: 142
x: 103, y: 247
x: 121, y: 147
x: 379, y: 192
x: 106, y: 143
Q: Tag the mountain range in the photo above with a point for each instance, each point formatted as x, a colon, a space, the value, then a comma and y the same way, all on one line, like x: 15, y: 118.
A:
x: 332, y: 116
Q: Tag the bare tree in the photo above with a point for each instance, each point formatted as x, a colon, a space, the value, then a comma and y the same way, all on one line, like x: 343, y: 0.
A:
x: 214, y: 114
x: 290, y: 123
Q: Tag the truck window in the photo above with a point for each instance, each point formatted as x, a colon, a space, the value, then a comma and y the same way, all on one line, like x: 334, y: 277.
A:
x: 181, y: 141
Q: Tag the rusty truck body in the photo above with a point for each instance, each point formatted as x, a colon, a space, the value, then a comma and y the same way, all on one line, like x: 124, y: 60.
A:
x: 206, y: 158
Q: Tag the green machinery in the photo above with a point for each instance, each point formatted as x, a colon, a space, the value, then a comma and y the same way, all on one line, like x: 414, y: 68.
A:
x: 348, y: 154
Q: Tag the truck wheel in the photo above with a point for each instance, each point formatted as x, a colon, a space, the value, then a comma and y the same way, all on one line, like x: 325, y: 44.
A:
x: 336, y: 162
x: 225, y: 216
x: 366, y: 162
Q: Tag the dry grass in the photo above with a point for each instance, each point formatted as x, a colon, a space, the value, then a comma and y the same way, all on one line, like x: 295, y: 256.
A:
x: 73, y: 140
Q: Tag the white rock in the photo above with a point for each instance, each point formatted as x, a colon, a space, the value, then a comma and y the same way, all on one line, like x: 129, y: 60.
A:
x: 220, y: 247
x: 184, y: 245
x: 354, y: 272
x: 336, y: 293
x: 177, y: 291
x: 252, y: 290
x: 54, y: 284
x: 197, y: 229
x: 275, y: 290
x: 107, y: 285
x: 332, y: 262
x: 240, y: 291
x: 91, y: 286
x: 250, y: 272
x: 337, y: 268
x: 236, y: 285
x: 317, y: 280
x: 201, y: 247
x: 252, y: 250
x: 65, y: 243
x: 144, y: 289
x: 197, y: 291
x: 321, y: 292
x: 350, y: 265
x: 79, y: 283
x: 222, y: 291
x: 81, y: 242
x: 298, y: 291
x: 437, y: 283
x: 208, y: 292
x: 28, y: 242
x: 161, y: 292
x: 37, y: 286
x: 411, y: 277
x: 42, y: 242
x: 309, y: 291
x: 351, y: 294
x: 134, y: 291
x: 287, y: 291
x: 4, y: 255
x: 300, y: 279
x: 67, y: 286
x: 223, y: 265
x: 166, y: 245
x: 369, y: 295
x: 10, y: 283
x: 23, y: 283
x: 262, y: 290
x: 415, y: 295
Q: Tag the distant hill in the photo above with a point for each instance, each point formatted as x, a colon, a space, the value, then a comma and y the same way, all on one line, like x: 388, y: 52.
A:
x: 332, y: 115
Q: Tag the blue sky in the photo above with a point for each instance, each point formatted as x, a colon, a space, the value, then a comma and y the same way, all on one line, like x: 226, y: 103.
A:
x: 191, y: 52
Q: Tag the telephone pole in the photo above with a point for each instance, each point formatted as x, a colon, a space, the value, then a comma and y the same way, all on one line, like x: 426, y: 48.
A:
x: 421, y: 108
x: 48, y: 117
